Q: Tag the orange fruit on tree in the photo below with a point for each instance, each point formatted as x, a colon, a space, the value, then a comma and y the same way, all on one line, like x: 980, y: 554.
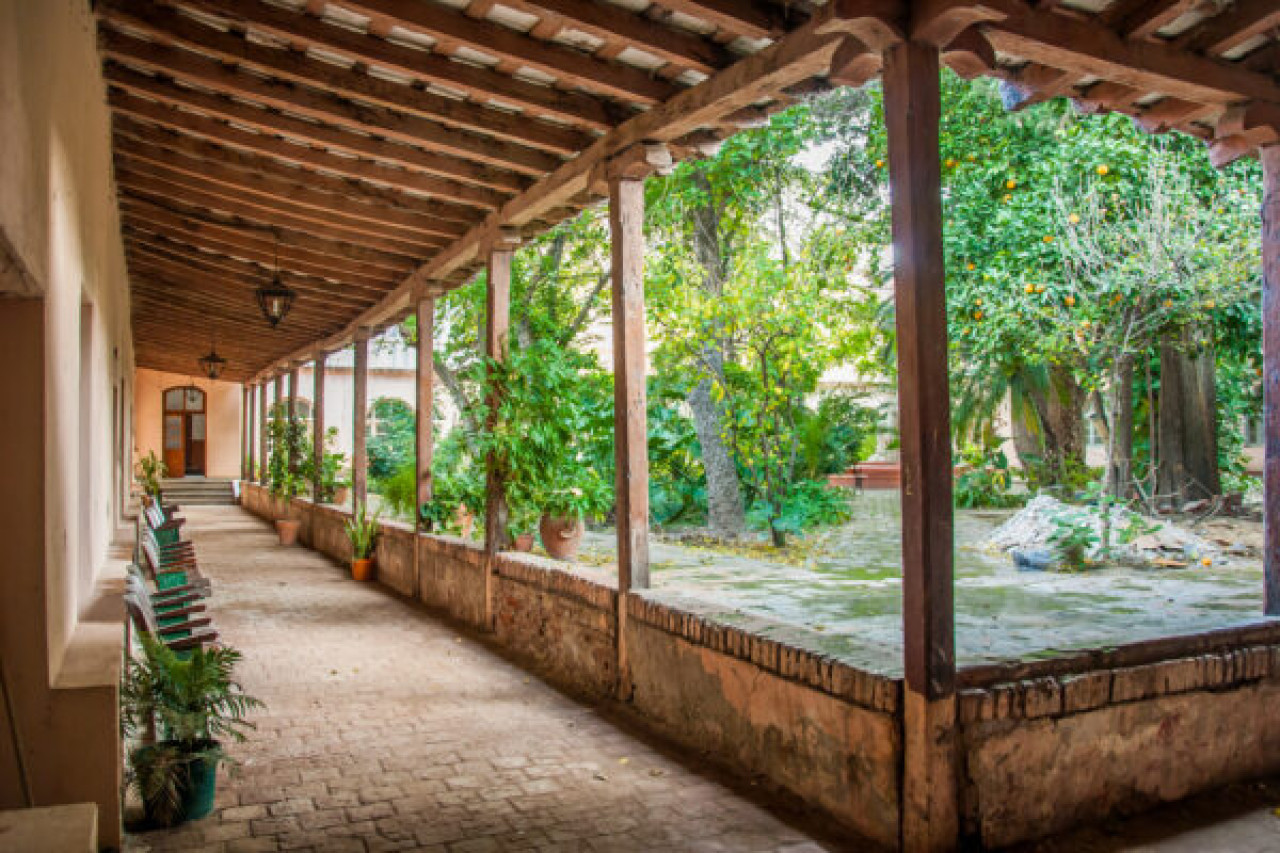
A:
x: 1103, y: 169
x: 1048, y: 238
x: 1074, y: 219
x: 1030, y: 288
x: 977, y: 315
x: 1168, y: 303
x: 970, y: 267
x: 1010, y: 184
x: 1070, y: 300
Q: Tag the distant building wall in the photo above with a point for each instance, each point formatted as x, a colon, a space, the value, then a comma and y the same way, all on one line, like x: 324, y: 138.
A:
x: 222, y: 418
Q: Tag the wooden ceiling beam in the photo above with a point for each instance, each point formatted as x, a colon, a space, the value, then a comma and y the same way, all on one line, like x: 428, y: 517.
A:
x: 607, y: 21
x: 1065, y: 41
x: 464, y: 156
x: 567, y: 65
x: 480, y: 83
x: 1242, y: 21
x: 161, y: 246
x: 755, y: 19
x: 1141, y: 19
x: 275, y: 236
x: 372, y: 195
x: 268, y: 142
x: 289, y: 262
x: 177, y: 265
x: 187, y: 273
x: 506, y: 131
x: 342, y: 208
x: 230, y: 327
x: 271, y: 120
x: 149, y: 182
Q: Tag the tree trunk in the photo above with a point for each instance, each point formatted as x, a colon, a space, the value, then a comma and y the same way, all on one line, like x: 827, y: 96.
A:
x: 726, y: 515
x: 1188, y: 448
x: 1025, y: 427
x: 1064, y: 432
x: 1120, y: 439
x: 1172, y: 477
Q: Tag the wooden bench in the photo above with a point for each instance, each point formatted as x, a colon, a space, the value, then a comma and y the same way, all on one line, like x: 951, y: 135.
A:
x: 180, y: 634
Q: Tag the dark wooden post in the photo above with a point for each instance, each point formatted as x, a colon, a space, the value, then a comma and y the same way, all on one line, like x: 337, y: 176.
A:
x: 292, y: 413
x: 930, y: 813
x: 426, y: 314
x: 497, y: 327
x: 631, y: 451
x: 262, y: 433
x: 317, y: 425
x: 277, y: 391
x: 359, y: 417
x: 246, y: 429
x: 1270, y: 156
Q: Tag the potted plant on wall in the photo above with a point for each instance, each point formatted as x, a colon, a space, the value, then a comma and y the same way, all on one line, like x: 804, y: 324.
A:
x: 195, y: 704
x: 576, y: 493
x: 333, y: 489
x: 362, y: 532
x: 148, y: 472
x: 289, y: 442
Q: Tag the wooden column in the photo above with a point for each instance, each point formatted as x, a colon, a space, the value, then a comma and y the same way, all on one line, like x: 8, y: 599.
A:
x: 317, y: 425
x: 360, y: 394
x: 292, y: 415
x: 1270, y: 157
x: 497, y: 326
x: 426, y: 315
x: 262, y: 433
x: 631, y: 449
x: 246, y: 430
x: 277, y: 396
x: 930, y: 812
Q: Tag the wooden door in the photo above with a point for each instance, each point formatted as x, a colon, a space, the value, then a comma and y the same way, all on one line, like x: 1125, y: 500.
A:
x: 184, y: 438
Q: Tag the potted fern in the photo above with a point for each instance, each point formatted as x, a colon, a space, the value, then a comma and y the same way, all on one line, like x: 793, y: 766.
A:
x: 193, y: 702
x: 362, y: 532
x: 148, y: 473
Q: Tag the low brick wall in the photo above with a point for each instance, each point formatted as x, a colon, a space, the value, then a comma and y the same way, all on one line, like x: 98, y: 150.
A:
x: 821, y: 729
x: 563, y: 624
x: 451, y: 577
x: 395, y: 560
x: 1056, y: 748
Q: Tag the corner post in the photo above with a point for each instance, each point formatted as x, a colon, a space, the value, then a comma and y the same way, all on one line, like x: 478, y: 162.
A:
x: 262, y: 433
x: 359, y: 418
x: 246, y: 432
x: 292, y: 414
x: 317, y: 425
x: 426, y: 314
x: 1270, y: 157
x: 930, y: 789
x: 497, y: 329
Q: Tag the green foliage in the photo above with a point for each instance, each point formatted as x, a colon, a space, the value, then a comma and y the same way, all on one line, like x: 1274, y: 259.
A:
x: 399, y: 492
x: 362, y: 532
x: 807, y: 503
x: 552, y: 433
x: 148, y: 473
x: 1072, y: 538
x: 331, y: 469
x: 194, y: 702
x: 392, y: 437
x: 838, y: 433
x: 457, y: 477
x: 985, y: 480
x: 677, y: 483
x: 289, y: 440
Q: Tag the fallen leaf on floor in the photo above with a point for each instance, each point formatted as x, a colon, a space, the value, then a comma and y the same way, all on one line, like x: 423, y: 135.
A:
x: 600, y: 777
x: 624, y: 760
x: 656, y: 772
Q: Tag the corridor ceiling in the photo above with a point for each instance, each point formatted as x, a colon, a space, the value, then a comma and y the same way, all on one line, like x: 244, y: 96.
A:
x: 374, y: 148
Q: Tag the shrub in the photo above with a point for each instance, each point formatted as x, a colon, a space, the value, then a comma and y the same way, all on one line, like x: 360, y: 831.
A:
x: 807, y: 504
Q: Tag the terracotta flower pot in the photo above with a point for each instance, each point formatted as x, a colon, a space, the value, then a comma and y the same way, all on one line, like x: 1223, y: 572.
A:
x: 287, y: 530
x: 524, y: 542
x: 340, y: 495
x: 362, y: 569
x: 561, y: 536
x: 465, y: 520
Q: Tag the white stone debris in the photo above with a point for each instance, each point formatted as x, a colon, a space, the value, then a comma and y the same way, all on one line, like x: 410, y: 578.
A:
x: 1135, y: 539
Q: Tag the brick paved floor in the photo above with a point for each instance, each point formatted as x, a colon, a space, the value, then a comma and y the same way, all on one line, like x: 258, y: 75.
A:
x: 385, y: 729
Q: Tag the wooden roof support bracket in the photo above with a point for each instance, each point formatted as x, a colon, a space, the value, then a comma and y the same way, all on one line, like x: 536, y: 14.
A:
x: 1242, y: 130
x: 969, y: 54
x: 636, y: 162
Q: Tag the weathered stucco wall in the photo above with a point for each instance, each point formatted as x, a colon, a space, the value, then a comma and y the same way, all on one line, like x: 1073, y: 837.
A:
x: 223, y: 401
x: 65, y: 426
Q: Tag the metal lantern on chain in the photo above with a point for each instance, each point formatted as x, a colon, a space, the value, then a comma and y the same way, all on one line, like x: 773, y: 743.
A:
x: 275, y: 299
x: 212, y: 364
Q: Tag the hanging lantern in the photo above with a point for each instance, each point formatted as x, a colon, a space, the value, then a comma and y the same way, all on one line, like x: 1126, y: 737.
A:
x: 212, y: 364
x: 275, y: 299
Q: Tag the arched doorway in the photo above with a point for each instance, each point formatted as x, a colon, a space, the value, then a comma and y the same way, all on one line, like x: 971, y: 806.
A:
x: 184, y: 431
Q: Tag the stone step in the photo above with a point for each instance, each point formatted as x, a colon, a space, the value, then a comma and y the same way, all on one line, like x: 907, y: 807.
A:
x: 198, y: 491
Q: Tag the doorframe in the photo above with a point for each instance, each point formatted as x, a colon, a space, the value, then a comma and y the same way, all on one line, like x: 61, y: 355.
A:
x: 186, y: 415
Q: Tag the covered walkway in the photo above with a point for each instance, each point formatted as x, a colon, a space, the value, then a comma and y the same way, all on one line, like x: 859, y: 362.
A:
x: 386, y: 729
